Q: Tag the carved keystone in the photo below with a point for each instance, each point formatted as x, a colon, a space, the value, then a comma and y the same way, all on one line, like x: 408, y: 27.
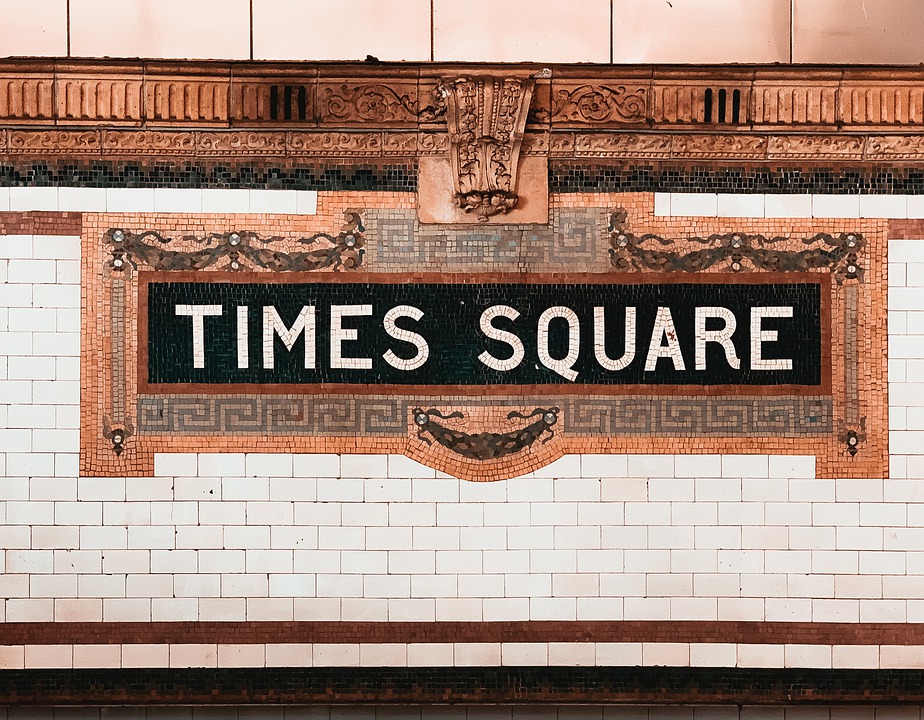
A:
x: 485, y: 119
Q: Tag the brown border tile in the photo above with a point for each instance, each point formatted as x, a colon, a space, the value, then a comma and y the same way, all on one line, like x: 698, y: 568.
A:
x: 651, y: 631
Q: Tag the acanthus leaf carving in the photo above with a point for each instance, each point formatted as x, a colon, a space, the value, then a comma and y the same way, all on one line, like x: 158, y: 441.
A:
x: 486, y: 117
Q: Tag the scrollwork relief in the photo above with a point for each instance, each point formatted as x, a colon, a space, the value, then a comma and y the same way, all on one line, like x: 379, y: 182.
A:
x: 237, y: 251
x: 599, y: 105
x: 367, y: 103
x: 735, y: 252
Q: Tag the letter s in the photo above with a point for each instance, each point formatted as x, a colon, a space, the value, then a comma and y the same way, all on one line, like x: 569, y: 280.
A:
x: 503, y: 336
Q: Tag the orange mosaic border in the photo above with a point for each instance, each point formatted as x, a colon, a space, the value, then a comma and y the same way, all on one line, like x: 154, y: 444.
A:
x: 831, y: 451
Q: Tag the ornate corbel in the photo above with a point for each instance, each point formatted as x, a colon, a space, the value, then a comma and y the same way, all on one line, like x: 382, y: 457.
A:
x: 486, y: 117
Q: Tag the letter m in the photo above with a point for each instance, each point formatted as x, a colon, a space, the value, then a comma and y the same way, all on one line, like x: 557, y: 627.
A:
x: 273, y: 325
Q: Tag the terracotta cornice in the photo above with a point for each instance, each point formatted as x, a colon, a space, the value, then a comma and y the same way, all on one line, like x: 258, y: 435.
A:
x: 335, y: 96
x: 398, y: 145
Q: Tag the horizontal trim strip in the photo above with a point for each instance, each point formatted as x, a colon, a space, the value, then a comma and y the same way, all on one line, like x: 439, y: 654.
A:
x: 553, y: 685
x: 692, y: 631
x: 166, y: 199
x: 532, y: 654
x: 761, y: 205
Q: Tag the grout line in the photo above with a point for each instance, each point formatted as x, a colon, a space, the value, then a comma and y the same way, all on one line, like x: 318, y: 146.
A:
x: 68, y: 21
x: 612, y: 32
x: 251, y: 29
x: 432, y: 29
x: 792, y: 18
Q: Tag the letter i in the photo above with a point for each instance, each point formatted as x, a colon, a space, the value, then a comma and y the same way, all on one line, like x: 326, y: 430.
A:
x: 243, y: 357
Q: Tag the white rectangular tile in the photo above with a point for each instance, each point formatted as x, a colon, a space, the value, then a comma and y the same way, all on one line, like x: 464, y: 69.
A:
x: 82, y: 199
x: 914, y: 205
x: 786, y: 205
x: 740, y: 205
x: 284, y: 202
x: 130, y: 200
x: 215, y: 200
x: 187, y: 200
x: 33, y: 198
x: 836, y: 206
x: 694, y: 204
x: 883, y: 206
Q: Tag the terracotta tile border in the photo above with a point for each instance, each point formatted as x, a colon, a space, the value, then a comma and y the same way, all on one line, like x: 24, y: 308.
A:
x: 901, y: 229
x: 263, y: 632
x: 41, y: 223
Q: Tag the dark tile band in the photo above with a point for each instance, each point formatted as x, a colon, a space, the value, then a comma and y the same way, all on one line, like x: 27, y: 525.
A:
x: 565, y: 176
x: 474, y: 685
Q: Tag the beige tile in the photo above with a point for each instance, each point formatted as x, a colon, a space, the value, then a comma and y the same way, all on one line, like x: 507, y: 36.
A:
x: 289, y: 655
x: 49, y: 656
x: 760, y: 655
x: 901, y: 656
x: 342, y: 30
x: 253, y: 655
x: 713, y: 654
x: 701, y: 31
x: 35, y: 29
x: 514, y: 31
x: 857, y: 31
x: 205, y: 29
x: 12, y: 657
x: 193, y: 656
x: 97, y: 656
x: 145, y: 656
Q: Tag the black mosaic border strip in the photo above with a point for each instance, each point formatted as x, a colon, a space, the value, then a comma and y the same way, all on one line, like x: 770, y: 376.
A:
x: 722, y: 177
x: 565, y: 176
x: 192, y: 174
x: 553, y: 685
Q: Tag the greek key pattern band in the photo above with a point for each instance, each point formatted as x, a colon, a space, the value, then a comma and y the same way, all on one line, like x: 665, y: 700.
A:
x: 789, y: 416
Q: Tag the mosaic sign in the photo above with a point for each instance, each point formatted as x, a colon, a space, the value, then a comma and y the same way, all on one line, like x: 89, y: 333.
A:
x: 485, y: 352
x: 483, y: 333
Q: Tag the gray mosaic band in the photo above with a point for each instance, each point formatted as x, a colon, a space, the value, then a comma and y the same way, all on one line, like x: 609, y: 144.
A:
x: 117, y: 314
x: 272, y: 414
x: 576, y: 239
x: 781, y: 416
x: 383, y: 416
x: 851, y: 355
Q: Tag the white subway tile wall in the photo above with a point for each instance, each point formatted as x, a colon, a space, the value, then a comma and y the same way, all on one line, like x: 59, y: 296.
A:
x: 620, y: 31
x: 365, y: 537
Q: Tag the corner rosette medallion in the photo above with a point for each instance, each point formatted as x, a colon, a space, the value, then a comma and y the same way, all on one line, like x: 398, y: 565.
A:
x: 486, y: 117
